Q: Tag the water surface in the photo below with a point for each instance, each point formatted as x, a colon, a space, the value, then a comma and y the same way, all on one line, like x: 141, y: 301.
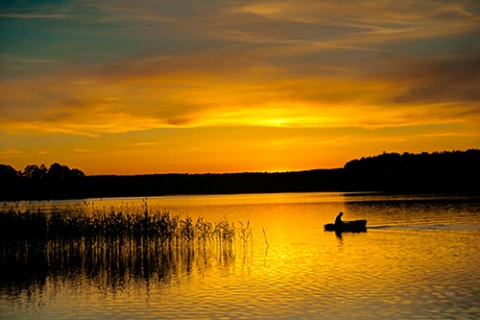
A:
x: 418, y: 259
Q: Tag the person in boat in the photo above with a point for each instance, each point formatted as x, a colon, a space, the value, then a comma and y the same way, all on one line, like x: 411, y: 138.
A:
x: 338, y: 220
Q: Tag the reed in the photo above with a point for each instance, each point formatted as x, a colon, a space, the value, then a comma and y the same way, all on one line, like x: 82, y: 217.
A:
x: 245, y: 234
x: 16, y: 224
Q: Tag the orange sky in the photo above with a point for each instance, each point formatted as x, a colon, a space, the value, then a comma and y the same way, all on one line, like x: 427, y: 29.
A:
x: 159, y: 86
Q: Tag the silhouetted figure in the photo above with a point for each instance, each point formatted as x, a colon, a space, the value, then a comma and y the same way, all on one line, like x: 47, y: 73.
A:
x: 338, y: 221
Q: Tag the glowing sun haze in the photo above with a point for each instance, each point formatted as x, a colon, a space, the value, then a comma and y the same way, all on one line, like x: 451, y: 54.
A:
x: 131, y: 87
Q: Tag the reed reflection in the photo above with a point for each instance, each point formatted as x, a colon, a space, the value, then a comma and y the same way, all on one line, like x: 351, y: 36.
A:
x: 111, y: 251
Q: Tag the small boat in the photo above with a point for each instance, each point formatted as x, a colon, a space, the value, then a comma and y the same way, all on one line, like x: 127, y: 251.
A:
x: 348, y: 226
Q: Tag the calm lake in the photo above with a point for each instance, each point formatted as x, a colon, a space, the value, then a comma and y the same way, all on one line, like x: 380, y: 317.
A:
x: 420, y: 258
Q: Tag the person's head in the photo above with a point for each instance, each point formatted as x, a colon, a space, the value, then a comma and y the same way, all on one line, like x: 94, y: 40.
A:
x: 340, y: 214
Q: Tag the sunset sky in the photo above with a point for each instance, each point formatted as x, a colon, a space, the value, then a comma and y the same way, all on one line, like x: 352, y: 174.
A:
x: 133, y: 87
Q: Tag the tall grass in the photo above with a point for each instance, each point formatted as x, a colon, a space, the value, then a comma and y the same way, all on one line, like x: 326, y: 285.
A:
x: 141, y: 225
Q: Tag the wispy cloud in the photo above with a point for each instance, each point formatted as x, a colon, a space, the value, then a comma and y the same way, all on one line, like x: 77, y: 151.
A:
x: 82, y: 150
x: 144, y: 144
x: 31, y: 16
x: 10, y: 151
x: 454, y: 78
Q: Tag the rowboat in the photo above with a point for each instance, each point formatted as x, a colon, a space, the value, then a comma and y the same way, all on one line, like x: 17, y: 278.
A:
x: 348, y: 226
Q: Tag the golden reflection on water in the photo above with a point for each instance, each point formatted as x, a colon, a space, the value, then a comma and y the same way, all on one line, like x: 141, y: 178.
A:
x: 419, y: 261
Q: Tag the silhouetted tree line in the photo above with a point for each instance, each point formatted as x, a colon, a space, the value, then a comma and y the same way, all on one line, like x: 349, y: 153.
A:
x: 38, y: 182
x: 229, y: 183
x: 456, y: 171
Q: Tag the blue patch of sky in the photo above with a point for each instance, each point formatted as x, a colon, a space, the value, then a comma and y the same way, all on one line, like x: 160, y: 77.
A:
x: 43, y: 32
x: 60, y: 32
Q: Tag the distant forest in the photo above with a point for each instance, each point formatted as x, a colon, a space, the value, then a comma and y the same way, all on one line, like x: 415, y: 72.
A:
x: 456, y: 171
